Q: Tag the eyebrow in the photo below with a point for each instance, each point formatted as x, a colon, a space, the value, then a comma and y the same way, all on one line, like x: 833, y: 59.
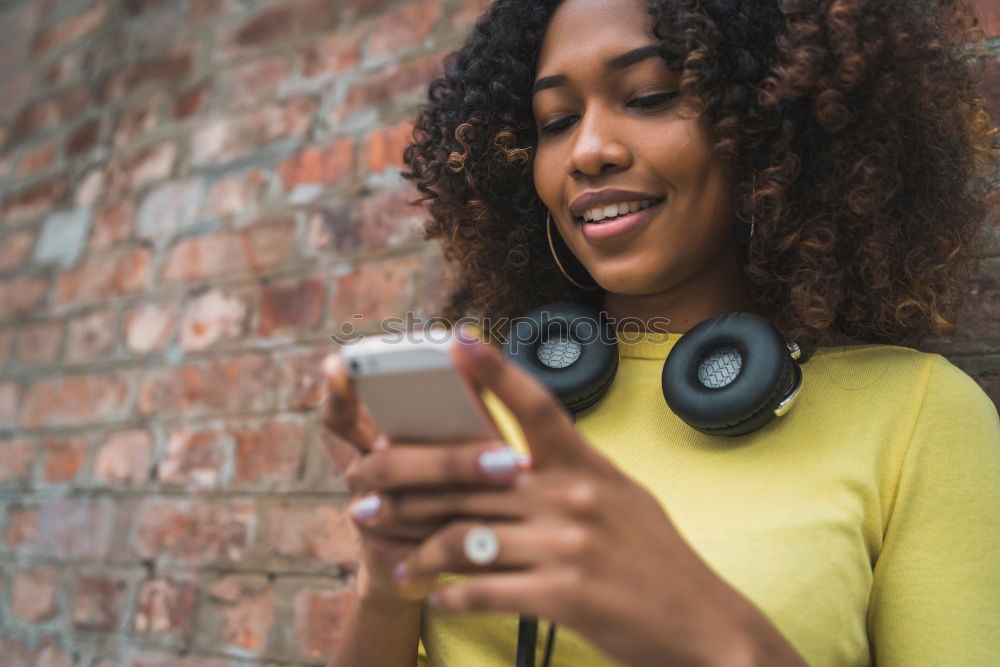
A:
x: 615, y: 64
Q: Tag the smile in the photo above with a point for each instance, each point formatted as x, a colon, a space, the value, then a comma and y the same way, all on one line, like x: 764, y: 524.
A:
x: 609, y: 228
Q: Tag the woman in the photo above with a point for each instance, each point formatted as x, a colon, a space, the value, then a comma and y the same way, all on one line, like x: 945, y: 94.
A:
x: 814, y: 162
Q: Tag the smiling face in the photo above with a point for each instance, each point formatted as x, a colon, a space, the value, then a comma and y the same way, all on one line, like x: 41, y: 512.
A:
x: 607, y: 120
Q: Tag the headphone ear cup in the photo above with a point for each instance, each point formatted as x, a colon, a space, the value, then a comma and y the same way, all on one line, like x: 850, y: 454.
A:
x: 727, y: 375
x: 567, y: 347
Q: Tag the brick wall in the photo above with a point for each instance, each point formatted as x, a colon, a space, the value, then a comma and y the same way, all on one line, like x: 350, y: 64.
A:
x: 193, y: 195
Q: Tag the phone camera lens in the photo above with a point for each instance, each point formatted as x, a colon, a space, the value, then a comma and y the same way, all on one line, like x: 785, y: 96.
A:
x: 355, y: 365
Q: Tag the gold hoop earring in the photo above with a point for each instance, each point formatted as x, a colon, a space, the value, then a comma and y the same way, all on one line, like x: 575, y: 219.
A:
x: 552, y: 247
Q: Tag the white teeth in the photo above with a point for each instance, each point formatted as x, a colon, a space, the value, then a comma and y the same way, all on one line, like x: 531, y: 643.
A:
x: 614, y: 210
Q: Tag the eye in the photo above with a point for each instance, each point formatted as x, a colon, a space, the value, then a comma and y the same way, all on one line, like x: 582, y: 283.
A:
x: 645, y: 102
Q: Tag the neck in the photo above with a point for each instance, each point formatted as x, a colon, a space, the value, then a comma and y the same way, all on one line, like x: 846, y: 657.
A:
x: 719, y: 289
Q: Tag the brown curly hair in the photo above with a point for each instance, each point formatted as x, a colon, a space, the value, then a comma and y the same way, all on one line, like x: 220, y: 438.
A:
x: 860, y: 142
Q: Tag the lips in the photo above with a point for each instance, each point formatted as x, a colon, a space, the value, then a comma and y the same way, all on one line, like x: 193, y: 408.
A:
x: 605, y: 197
x: 598, y: 232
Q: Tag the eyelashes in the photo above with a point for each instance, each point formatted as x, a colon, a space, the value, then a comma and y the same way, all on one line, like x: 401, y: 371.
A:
x: 646, y: 102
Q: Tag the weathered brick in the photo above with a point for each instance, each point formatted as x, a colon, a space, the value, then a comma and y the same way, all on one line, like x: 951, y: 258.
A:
x: 46, y: 652
x: 84, y: 138
x: 336, y: 52
x: 195, y: 457
x: 75, y: 528
x: 146, y: 166
x: 228, y: 138
x: 318, y: 533
x: 63, y: 69
x: 384, y: 147
x: 133, y: 122
x: 22, y: 526
x: 238, y: 614
x: 238, y: 384
x: 15, y: 248
x: 166, y: 607
x: 302, y: 379
x: 318, y: 618
x: 318, y: 165
x: 71, y: 29
x: 33, y: 201
x: 22, y: 294
x: 269, y: 453
x: 50, y: 112
x: 91, y: 337
x: 10, y: 402
x: 170, y: 209
x: 291, y: 307
x: 89, y: 189
x: 982, y: 308
x: 98, y: 602
x: 280, y: 23
x: 991, y: 83
x: 253, y: 248
x: 190, y: 102
x: 37, y: 158
x: 61, y: 459
x: 77, y: 399
x: 135, y: 7
x: 15, y: 90
x: 404, y: 28
x: 100, y: 277
x: 257, y: 80
x: 368, y: 224
x: 15, y: 460
x: 124, y: 458
x: 113, y: 222
x: 63, y: 236
x: 39, y: 343
x: 236, y: 196
x: 192, y: 533
x: 150, y: 327
x: 989, y: 14
x: 393, y: 82
x: 212, y: 317
x: 33, y: 595
x: 160, y: 70
x: 6, y: 344
x: 376, y: 291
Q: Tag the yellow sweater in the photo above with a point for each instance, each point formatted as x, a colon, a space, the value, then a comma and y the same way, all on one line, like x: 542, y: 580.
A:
x: 865, y: 523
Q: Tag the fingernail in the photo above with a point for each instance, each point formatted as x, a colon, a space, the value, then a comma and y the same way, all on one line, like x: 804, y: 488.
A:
x: 498, y: 461
x: 380, y: 442
x: 401, y: 571
x: 367, y: 507
x: 330, y: 365
x: 524, y: 461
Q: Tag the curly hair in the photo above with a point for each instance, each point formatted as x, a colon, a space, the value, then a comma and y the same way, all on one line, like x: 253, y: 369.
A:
x: 858, y: 137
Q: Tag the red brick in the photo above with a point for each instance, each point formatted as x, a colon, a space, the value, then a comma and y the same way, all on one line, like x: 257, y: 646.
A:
x: 74, y: 528
x: 318, y: 533
x: 6, y: 342
x: 226, y: 139
x: 98, y: 602
x: 318, y: 620
x: 50, y: 112
x: 318, y: 165
x: 150, y: 327
x: 33, y: 595
x: 160, y: 70
x: 91, y: 337
x: 467, y: 16
x: 404, y: 28
x: 165, y: 607
x: 238, y: 195
x: 253, y: 248
x: 395, y: 81
x: 281, y: 23
x: 238, y: 384
x: 190, y: 102
x: 39, y: 343
x: 15, y: 249
x: 272, y: 452
x: 78, y: 399
x: 101, y: 277
x: 61, y: 459
x: 34, y: 201
x: 335, y: 52
x: 991, y: 86
x: 15, y: 90
x: 10, y: 402
x: 89, y: 189
x: 146, y: 166
x: 21, y: 295
x: 113, y: 223
x: 135, y: 7
x: 376, y: 291
x: 302, y: 379
x: 63, y: 69
x: 194, y: 457
x: 138, y: 120
x: 384, y: 147
x: 213, y: 317
x: 241, y: 613
x: 291, y: 308
x: 192, y: 533
x: 15, y: 460
x: 69, y: 30
x: 37, y: 159
x: 22, y: 527
x: 125, y: 457
x: 83, y: 138
x: 977, y: 320
x: 257, y: 80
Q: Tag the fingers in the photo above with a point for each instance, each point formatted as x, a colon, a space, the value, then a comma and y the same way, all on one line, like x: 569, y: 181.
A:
x: 341, y: 411
x: 488, y: 463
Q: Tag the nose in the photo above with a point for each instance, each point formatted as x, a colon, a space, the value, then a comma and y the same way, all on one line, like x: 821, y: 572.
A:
x: 598, y: 146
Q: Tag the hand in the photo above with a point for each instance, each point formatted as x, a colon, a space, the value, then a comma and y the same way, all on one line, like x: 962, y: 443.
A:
x: 581, y: 544
x: 357, y: 439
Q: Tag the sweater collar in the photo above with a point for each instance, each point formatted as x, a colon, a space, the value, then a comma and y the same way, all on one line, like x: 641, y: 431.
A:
x: 646, y: 344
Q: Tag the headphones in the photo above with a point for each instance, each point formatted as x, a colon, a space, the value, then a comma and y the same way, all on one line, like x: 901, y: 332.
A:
x: 729, y: 375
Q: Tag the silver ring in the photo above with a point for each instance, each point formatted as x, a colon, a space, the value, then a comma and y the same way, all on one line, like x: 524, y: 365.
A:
x: 482, y: 545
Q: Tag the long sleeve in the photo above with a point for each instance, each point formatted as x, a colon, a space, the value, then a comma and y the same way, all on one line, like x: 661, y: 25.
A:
x: 936, y: 593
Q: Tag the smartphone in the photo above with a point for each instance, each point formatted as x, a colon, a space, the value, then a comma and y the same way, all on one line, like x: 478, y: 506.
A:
x: 414, y: 391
